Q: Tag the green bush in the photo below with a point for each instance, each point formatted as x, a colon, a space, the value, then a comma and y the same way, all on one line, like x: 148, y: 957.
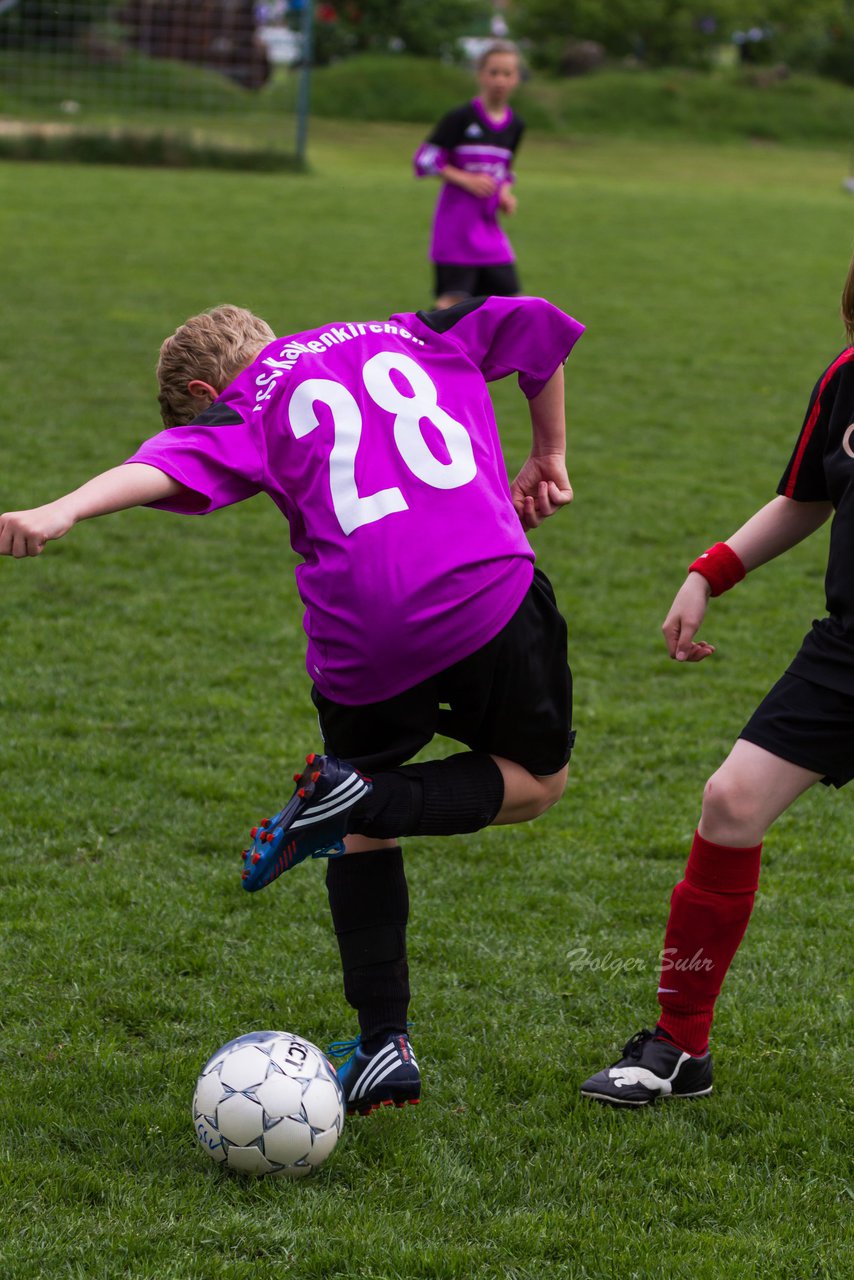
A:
x: 388, y: 87
x: 837, y: 60
x: 723, y: 104
x: 720, y: 104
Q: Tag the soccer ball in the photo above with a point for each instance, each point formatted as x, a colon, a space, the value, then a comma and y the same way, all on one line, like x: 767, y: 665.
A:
x: 269, y: 1102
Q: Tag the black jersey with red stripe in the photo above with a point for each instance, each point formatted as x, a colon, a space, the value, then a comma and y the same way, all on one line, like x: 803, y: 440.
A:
x: 821, y: 469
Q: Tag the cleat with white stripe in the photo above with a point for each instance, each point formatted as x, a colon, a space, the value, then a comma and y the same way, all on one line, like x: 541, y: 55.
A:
x: 387, y: 1078
x: 312, y: 824
x: 651, y: 1067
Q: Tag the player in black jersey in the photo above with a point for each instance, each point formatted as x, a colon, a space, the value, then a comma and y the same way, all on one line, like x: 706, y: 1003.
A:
x: 801, y: 733
x: 471, y: 151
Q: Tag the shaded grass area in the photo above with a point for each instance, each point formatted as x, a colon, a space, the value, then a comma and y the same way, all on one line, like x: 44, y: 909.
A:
x: 153, y: 702
x: 141, y: 147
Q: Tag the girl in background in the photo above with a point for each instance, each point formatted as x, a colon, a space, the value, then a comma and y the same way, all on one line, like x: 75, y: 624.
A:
x: 470, y: 151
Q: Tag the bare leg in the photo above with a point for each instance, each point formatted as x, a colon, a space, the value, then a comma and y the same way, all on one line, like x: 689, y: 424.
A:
x: 446, y: 300
x: 365, y: 844
x: 747, y: 793
x: 711, y: 906
x: 526, y: 796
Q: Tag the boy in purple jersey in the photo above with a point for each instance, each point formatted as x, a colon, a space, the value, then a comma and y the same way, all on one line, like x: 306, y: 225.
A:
x: 471, y: 152
x: 801, y: 733
x: 423, y: 609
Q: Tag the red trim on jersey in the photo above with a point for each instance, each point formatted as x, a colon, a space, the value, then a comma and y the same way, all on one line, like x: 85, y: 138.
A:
x: 809, y: 425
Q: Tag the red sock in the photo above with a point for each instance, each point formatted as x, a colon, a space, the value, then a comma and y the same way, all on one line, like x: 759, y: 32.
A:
x: 709, y: 911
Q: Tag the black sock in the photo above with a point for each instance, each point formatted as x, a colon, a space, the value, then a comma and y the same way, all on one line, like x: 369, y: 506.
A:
x: 369, y: 900
x: 438, y: 798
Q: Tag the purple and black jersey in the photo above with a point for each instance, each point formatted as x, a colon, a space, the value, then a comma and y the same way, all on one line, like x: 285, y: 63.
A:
x: 466, y: 231
x: 821, y: 469
x: 377, y: 441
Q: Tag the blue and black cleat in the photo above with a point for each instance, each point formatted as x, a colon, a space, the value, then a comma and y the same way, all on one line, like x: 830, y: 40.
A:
x: 312, y: 824
x: 387, y: 1078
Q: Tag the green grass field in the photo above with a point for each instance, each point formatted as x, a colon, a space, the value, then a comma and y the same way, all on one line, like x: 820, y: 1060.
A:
x: 153, y: 701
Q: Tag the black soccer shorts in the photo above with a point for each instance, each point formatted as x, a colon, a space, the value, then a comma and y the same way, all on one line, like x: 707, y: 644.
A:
x: 499, y: 280
x: 511, y: 698
x: 808, y: 725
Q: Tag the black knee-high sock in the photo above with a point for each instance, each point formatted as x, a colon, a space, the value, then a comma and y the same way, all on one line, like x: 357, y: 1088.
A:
x: 369, y: 900
x: 438, y: 798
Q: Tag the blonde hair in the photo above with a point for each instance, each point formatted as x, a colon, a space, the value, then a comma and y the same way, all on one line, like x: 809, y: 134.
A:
x: 847, y: 308
x: 497, y: 46
x: 213, y: 347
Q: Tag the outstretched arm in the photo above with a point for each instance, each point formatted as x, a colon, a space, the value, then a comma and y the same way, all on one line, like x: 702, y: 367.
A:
x: 542, y: 486
x: 776, y: 527
x: 25, y: 533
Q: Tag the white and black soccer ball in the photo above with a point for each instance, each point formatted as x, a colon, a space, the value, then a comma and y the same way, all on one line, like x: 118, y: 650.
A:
x: 269, y: 1102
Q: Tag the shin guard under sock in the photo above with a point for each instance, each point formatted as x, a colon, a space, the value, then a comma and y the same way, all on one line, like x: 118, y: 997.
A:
x: 369, y: 900
x: 709, y: 912
x: 448, y: 797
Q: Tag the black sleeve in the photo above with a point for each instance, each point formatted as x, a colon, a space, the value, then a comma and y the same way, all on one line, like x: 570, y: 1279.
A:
x: 450, y: 130
x: 804, y: 478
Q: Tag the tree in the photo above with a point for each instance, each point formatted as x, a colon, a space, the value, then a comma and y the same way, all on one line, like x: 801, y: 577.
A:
x: 427, y: 28
x: 658, y: 31
x: 680, y: 32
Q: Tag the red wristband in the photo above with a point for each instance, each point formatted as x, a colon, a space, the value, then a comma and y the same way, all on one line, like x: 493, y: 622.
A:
x: 720, y: 566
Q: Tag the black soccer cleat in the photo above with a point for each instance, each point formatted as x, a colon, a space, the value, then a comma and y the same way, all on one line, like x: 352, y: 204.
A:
x: 312, y: 824
x: 387, y: 1078
x: 651, y: 1067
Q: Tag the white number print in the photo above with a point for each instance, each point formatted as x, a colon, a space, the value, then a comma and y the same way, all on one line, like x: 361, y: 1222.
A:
x: 352, y: 508
x: 409, y: 411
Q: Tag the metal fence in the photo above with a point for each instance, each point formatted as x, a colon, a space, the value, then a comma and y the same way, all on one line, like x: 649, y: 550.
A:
x: 233, y: 67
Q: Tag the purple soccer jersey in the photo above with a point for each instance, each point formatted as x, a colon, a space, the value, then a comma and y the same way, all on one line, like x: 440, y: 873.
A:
x: 378, y: 443
x: 466, y: 231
